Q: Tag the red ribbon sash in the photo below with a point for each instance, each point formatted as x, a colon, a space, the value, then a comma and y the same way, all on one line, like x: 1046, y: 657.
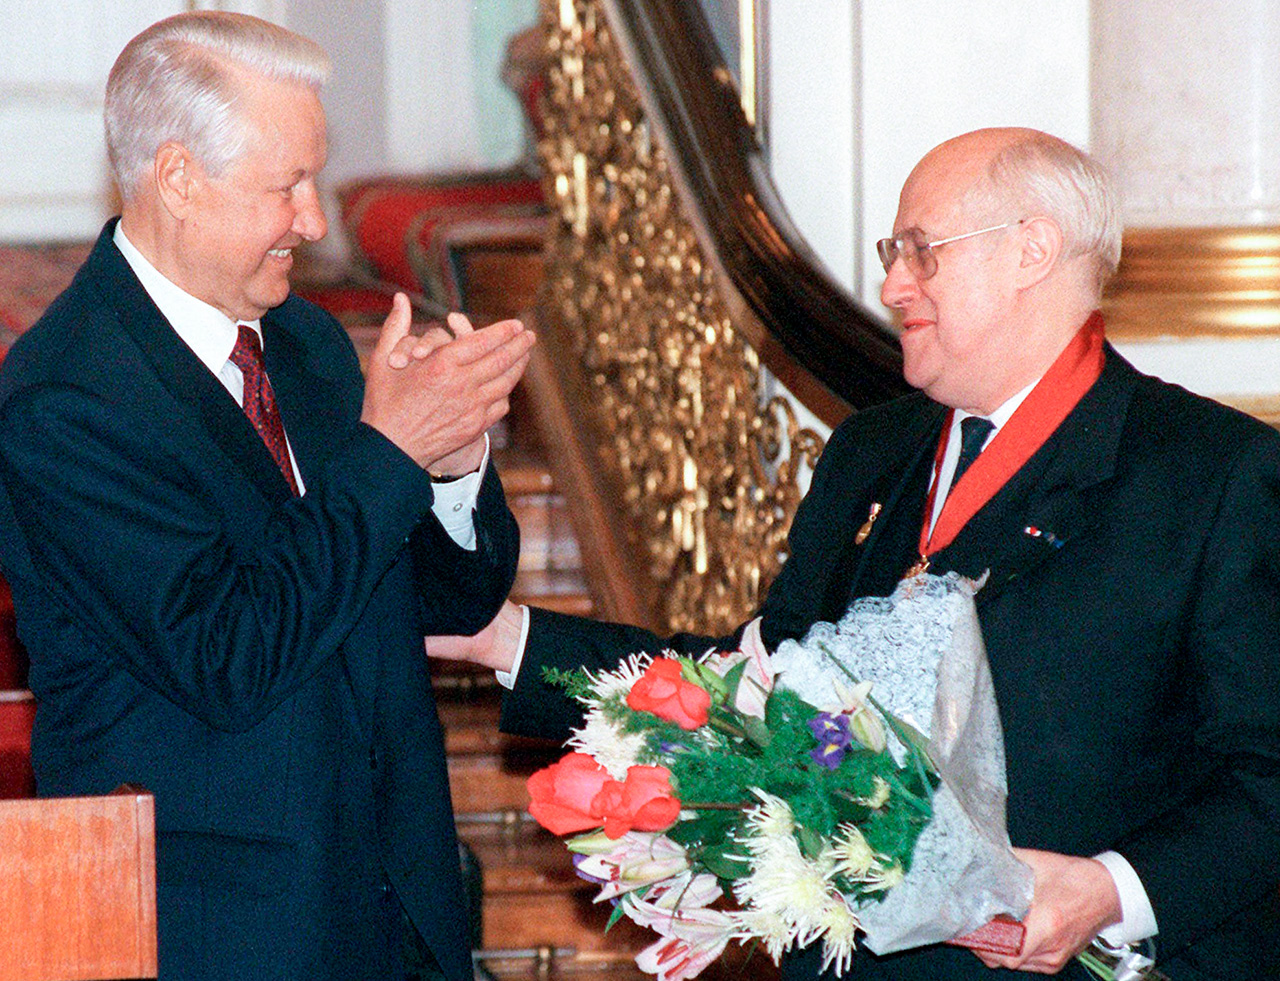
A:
x: 1041, y: 412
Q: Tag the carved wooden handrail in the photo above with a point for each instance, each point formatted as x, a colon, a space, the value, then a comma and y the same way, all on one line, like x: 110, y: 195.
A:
x: 724, y: 174
x: 672, y: 277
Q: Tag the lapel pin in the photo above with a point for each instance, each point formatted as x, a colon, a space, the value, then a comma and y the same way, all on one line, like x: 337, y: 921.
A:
x: 1048, y: 537
x: 865, y: 530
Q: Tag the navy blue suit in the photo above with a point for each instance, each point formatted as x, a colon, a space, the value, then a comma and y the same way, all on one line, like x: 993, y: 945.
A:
x: 1136, y: 653
x: 253, y: 659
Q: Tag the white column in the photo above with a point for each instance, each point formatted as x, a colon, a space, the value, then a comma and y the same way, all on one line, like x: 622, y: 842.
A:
x: 1186, y: 114
x: 1186, y: 109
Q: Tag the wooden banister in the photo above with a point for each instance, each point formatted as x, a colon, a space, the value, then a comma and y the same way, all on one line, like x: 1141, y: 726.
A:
x: 78, y: 888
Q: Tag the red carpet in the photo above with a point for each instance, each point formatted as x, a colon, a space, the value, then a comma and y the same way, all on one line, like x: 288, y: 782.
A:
x: 30, y: 278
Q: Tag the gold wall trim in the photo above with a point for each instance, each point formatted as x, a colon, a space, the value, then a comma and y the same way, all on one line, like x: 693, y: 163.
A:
x: 1264, y: 407
x: 1196, y: 282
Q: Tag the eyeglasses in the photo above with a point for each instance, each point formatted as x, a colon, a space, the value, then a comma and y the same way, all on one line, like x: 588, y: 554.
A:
x: 918, y: 254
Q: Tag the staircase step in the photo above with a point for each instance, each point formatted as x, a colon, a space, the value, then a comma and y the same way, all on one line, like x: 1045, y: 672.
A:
x: 487, y: 768
x: 533, y: 898
x: 560, y: 590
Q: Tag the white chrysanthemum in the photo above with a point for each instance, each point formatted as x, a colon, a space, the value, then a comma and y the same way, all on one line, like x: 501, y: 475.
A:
x: 783, y: 881
x: 839, y: 935
x: 885, y: 877
x: 771, y: 818
x: 850, y: 854
x: 607, y: 745
x: 621, y: 679
x: 775, y: 932
x: 879, y: 796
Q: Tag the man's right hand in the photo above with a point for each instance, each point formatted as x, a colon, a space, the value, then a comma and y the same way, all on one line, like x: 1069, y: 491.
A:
x: 495, y: 646
x: 436, y: 405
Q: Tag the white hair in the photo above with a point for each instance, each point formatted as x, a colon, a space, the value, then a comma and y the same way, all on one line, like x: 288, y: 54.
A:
x: 177, y: 80
x: 1044, y: 175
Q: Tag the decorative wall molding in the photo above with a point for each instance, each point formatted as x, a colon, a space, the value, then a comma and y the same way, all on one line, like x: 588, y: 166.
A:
x: 1219, y: 282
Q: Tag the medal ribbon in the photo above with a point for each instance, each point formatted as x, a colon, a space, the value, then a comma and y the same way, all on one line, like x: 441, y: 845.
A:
x: 1041, y: 412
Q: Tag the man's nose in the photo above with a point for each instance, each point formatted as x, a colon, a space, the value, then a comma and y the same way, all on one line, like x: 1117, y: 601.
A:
x: 899, y: 285
x: 310, y: 222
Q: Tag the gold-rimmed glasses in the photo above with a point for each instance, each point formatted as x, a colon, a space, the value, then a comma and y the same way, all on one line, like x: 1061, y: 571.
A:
x: 917, y: 253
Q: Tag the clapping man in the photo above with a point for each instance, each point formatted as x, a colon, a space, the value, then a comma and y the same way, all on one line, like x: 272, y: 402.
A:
x: 225, y: 547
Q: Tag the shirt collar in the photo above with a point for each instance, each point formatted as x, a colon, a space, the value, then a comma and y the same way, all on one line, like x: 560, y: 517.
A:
x: 209, y: 332
x: 1002, y: 414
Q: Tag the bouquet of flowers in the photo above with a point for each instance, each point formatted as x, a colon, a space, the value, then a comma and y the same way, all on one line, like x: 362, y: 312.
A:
x: 850, y: 785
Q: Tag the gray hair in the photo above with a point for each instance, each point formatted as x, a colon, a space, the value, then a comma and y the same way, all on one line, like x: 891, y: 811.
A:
x: 1044, y: 175
x: 177, y: 81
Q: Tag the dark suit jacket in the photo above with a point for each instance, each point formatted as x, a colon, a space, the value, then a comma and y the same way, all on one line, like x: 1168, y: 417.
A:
x: 1137, y: 664
x: 253, y: 659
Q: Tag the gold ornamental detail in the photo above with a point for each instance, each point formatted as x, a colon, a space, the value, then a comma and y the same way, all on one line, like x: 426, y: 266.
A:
x: 1196, y: 282
x: 705, y: 469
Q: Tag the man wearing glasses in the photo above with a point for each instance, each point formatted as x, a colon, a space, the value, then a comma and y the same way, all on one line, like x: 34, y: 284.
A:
x: 1132, y: 610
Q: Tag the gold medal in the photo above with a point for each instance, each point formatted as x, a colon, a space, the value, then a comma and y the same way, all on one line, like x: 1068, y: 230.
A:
x: 920, y: 568
x: 865, y: 530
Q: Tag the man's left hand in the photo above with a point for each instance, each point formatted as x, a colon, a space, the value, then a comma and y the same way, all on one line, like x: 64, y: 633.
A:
x: 1074, y: 899
x: 416, y: 347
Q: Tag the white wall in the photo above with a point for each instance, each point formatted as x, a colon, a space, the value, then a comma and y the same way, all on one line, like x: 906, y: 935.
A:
x: 812, y: 117
x: 861, y: 89
x: 413, y: 90
x: 54, y: 60
x: 933, y: 69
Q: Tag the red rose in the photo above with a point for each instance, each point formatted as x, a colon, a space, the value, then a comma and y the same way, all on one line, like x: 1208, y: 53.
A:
x: 644, y: 802
x: 562, y: 795
x: 663, y: 691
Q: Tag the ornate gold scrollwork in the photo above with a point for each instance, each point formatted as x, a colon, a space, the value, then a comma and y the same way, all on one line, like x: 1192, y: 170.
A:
x: 706, y: 472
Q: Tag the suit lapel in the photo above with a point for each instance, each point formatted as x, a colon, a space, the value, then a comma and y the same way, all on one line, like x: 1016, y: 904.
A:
x: 1049, y: 502
x: 311, y: 404
x: 187, y: 380
x: 875, y: 565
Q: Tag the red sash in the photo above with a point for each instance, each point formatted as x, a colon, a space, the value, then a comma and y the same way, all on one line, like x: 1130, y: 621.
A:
x: 1041, y: 412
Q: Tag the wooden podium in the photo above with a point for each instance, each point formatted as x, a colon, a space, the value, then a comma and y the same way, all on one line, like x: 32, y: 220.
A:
x: 78, y: 888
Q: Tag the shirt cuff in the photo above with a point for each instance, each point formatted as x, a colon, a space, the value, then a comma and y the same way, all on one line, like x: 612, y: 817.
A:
x: 507, y: 679
x: 455, y: 503
x: 1137, y: 918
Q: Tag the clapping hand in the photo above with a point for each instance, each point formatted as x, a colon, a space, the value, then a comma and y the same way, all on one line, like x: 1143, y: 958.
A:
x: 435, y: 396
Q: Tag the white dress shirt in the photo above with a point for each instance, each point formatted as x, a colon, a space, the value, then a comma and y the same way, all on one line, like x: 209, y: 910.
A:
x: 212, y: 335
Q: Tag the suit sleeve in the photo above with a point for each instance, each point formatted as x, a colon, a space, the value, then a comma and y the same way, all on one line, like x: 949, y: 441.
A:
x: 1219, y: 849
x: 462, y: 589
x: 224, y: 605
x: 792, y: 606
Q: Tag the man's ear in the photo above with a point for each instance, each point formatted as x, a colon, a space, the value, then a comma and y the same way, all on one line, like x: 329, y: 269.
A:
x: 177, y: 178
x: 1041, y: 249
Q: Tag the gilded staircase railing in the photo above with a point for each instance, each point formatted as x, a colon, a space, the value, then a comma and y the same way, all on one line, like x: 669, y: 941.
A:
x: 673, y: 276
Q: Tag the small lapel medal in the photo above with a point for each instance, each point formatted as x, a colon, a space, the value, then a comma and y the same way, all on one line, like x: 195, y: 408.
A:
x: 865, y: 530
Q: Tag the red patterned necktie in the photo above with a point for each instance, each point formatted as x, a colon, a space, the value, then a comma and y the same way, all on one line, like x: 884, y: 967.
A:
x: 260, y: 401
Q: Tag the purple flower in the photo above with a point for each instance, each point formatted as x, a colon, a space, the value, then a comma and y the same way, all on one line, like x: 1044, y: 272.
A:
x: 577, y: 867
x: 833, y: 735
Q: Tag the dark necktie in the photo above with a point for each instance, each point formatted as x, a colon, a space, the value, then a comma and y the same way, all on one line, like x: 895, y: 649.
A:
x: 260, y: 401
x: 974, y: 431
